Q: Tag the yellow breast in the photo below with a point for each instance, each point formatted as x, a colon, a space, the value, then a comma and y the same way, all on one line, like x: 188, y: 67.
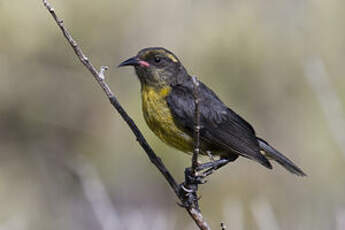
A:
x: 159, y: 118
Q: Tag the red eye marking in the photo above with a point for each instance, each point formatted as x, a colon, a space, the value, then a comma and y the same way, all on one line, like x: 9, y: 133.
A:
x: 144, y: 64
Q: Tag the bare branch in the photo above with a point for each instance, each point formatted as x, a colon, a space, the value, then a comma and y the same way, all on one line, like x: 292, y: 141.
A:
x: 99, y: 77
x: 196, y: 126
x: 190, y: 185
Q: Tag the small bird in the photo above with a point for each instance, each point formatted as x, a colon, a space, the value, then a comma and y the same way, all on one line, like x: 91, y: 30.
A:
x: 169, y: 107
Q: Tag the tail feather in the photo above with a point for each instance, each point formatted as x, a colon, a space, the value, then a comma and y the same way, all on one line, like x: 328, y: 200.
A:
x: 272, y: 153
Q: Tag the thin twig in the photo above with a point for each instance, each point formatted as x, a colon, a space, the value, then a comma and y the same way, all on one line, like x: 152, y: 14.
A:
x: 190, y: 185
x: 196, y: 126
x: 99, y: 77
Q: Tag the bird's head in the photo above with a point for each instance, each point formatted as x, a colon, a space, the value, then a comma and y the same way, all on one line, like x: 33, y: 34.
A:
x: 157, y: 67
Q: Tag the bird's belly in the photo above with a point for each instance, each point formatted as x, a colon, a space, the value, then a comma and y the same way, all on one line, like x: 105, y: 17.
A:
x: 159, y: 118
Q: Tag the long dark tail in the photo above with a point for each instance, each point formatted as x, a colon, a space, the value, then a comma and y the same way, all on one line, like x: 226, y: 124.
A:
x: 273, y: 154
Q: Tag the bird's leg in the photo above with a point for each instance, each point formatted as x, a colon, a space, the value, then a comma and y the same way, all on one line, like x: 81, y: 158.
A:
x: 212, y: 169
x: 199, y: 178
x: 215, y: 164
x: 190, y: 186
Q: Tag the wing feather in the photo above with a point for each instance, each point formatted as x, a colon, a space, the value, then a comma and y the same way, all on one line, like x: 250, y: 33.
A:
x: 220, y: 127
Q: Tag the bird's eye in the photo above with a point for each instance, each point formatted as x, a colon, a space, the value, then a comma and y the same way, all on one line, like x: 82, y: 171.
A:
x: 157, y: 59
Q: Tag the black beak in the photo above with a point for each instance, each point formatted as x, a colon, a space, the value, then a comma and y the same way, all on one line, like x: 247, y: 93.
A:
x: 133, y: 61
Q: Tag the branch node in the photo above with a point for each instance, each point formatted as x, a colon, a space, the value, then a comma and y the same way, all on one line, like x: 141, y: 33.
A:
x: 74, y: 43
x: 101, y: 72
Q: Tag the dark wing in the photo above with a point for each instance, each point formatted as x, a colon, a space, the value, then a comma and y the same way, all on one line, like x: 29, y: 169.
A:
x: 220, y: 127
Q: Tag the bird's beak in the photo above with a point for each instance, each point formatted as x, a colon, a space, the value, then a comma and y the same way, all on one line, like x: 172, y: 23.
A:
x: 133, y: 61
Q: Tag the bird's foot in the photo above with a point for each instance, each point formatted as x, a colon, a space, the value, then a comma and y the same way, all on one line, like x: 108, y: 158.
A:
x: 189, y: 188
x: 194, y: 178
x: 189, y: 195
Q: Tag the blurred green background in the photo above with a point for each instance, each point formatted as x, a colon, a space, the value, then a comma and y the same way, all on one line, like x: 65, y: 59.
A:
x: 68, y: 161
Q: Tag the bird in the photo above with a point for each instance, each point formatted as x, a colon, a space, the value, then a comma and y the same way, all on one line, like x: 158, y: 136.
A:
x: 168, y: 104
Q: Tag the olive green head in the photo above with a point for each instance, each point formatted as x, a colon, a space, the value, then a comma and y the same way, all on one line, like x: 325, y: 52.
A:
x: 157, y: 67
